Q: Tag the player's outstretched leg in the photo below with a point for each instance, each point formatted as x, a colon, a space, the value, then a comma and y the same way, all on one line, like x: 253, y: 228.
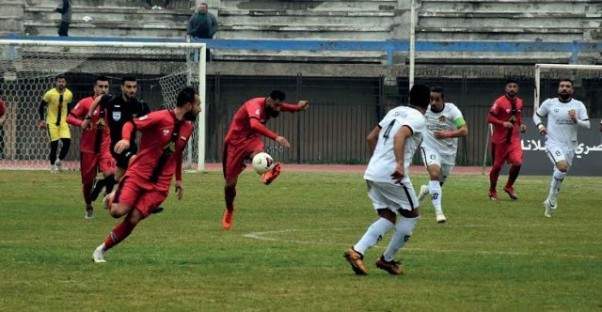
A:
x: 118, y: 234
x: 271, y: 175
x: 373, y: 235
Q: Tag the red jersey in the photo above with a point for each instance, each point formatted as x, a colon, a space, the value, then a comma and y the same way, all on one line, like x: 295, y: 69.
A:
x: 95, y: 139
x: 249, y: 121
x: 157, y: 129
x: 506, y: 109
x: 2, y: 108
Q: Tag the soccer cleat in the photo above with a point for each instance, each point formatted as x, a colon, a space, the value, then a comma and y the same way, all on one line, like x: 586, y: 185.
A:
x: 227, y: 219
x: 356, y: 261
x: 550, y: 208
x: 493, y: 194
x: 89, y: 214
x: 157, y: 210
x: 58, y: 165
x: 53, y: 169
x: 441, y: 218
x: 424, y: 190
x: 271, y: 175
x: 392, y: 267
x: 98, y: 256
x: 510, y: 191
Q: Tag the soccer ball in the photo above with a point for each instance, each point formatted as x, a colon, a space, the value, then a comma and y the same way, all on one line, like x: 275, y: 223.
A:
x: 262, y: 163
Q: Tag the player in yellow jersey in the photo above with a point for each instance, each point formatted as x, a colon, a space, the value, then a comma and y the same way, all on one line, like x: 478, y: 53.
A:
x: 57, y: 100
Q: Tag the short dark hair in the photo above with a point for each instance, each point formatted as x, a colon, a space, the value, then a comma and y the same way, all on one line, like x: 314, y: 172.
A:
x: 278, y: 95
x: 420, y: 96
x: 566, y: 79
x: 101, y: 78
x: 186, y: 96
x: 510, y: 80
x: 60, y: 76
x: 438, y: 89
x: 128, y: 78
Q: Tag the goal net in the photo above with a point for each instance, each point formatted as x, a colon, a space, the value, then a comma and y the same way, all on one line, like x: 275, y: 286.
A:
x: 28, y: 69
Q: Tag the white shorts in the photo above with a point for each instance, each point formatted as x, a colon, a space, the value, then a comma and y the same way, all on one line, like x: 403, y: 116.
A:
x: 431, y: 157
x: 557, y: 153
x: 392, y: 196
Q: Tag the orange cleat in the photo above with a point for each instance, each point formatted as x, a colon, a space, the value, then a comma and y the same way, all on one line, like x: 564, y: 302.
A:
x: 356, y: 260
x: 227, y: 219
x: 510, y: 191
x: 493, y: 194
x: 271, y: 175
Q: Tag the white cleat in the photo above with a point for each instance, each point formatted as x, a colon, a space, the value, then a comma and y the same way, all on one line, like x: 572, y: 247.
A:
x: 549, y: 208
x: 89, y: 214
x: 441, y: 218
x: 58, y: 165
x: 53, y: 169
x: 98, y: 256
x: 424, y: 190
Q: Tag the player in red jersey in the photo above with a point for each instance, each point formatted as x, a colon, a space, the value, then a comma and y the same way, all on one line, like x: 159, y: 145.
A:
x: 94, y: 145
x: 243, y: 141
x: 505, y: 116
x: 2, y: 111
x: 145, y: 184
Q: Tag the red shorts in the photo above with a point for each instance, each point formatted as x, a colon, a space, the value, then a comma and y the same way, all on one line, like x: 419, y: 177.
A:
x: 90, y: 161
x: 234, y: 157
x: 507, y: 152
x: 131, y: 194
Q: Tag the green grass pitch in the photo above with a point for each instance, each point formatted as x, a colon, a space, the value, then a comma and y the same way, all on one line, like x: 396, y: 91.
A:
x: 285, y: 250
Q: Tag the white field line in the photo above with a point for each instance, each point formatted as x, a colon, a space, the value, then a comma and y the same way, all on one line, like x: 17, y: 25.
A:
x: 266, y: 236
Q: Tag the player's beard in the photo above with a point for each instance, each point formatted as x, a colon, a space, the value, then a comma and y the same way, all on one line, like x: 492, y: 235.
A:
x: 271, y: 112
x: 190, y: 116
x: 564, y: 96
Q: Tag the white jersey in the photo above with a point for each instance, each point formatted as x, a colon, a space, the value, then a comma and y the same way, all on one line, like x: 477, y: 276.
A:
x: 449, y: 119
x: 382, y: 163
x: 560, y: 127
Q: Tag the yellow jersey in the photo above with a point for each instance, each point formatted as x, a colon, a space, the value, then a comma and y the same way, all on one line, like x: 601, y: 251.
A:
x: 58, y: 106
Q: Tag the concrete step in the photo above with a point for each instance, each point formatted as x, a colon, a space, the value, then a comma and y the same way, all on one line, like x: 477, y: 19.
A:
x: 311, y: 35
x: 300, y: 56
x: 303, y: 13
x: 145, y: 16
x: 497, y: 24
x: 514, y: 15
x: 306, y: 28
x: 174, y: 4
x: 309, y: 5
x: 9, y: 24
x: 510, y: 6
x: 438, y: 35
x: 107, y: 29
x: 317, y: 23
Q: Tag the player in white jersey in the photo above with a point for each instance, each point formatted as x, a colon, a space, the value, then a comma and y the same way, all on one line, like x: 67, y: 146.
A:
x: 564, y: 115
x: 445, y: 123
x: 393, y: 142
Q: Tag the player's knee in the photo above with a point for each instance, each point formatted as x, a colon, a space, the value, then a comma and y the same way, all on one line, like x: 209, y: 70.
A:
x: 562, y: 167
x: 387, y: 214
x: 409, y: 213
x: 434, y: 172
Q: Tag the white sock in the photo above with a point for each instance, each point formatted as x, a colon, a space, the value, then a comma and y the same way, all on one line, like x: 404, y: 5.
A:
x: 557, y: 179
x: 403, y: 231
x: 436, y: 193
x: 375, y: 232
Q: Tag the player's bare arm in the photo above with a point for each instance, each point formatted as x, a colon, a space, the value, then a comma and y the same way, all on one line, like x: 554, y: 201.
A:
x: 399, y: 145
x: 41, y: 122
x: 179, y: 189
x: 88, y: 117
x: 373, y: 138
x: 460, y: 132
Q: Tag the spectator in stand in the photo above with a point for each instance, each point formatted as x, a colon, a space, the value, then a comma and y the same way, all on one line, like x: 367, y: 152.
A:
x: 2, y: 119
x: 202, y: 24
x: 65, y: 9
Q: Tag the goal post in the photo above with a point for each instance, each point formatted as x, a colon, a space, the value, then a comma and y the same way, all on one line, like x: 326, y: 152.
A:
x: 28, y: 69
x: 541, y: 68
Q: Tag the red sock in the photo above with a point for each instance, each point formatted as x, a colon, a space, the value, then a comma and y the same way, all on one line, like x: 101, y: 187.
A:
x: 87, y: 189
x: 493, y: 176
x: 119, y: 233
x: 512, y: 175
x: 229, y: 194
